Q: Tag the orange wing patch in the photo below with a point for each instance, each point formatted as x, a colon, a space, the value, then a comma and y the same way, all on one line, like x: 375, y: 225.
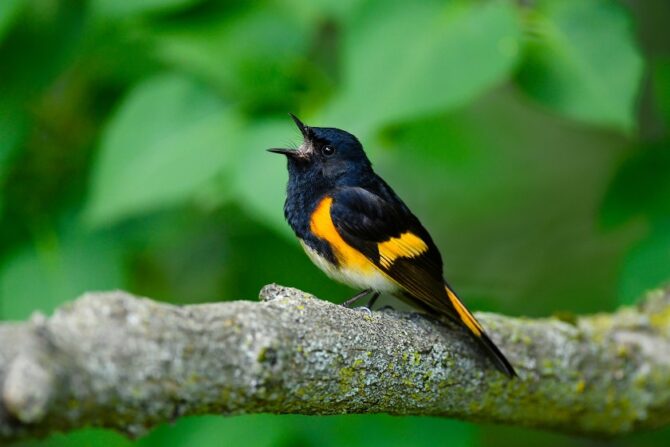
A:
x: 407, y: 245
x: 466, y: 317
x: 322, y: 227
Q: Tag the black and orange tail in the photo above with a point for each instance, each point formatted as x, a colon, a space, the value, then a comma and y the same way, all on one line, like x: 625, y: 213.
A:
x: 470, y: 322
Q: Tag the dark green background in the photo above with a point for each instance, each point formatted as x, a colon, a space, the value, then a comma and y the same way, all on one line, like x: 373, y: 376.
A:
x: 531, y: 137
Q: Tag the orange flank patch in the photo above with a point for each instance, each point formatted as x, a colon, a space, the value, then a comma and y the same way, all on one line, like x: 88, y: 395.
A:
x: 407, y: 245
x: 466, y: 317
x: 322, y: 226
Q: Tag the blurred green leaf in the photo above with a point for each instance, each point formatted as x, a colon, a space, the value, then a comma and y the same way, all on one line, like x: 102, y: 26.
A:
x: 641, y: 187
x: 319, y: 10
x: 332, y: 431
x: 13, y: 126
x: 210, y: 430
x: 253, y: 56
x: 662, y: 87
x: 260, y: 177
x: 58, y: 269
x: 386, y: 431
x: 124, y: 8
x: 403, y: 62
x: 42, y: 47
x: 81, y: 438
x: 582, y: 61
x: 647, y: 266
x: 169, y: 137
x: 9, y: 10
x: 185, y: 256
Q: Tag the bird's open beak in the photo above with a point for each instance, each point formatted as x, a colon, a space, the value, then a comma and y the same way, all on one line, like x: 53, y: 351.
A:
x: 304, y: 130
x: 279, y: 150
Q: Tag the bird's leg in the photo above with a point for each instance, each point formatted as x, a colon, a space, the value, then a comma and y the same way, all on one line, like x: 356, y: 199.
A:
x: 358, y: 296
x: 372, y: 300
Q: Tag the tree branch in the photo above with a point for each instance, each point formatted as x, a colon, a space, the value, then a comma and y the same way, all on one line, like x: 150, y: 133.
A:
x: 113, y: 360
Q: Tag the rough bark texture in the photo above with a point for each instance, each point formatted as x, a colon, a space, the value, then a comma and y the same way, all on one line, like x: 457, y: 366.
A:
x: 114, y: 360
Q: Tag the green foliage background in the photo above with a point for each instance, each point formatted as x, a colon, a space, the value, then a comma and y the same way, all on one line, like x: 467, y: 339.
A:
x: 530, y: 136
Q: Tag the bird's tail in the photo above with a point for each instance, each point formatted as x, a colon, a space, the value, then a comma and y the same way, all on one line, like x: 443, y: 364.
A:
x: 477, y: 332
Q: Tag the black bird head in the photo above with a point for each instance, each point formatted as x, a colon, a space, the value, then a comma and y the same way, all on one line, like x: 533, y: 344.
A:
x: 326, y: 154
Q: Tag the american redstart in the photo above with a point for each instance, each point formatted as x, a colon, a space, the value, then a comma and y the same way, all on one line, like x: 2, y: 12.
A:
x: 356, y: 229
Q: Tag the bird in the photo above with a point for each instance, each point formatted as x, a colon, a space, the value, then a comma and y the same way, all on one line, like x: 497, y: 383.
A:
x: 359, y: 232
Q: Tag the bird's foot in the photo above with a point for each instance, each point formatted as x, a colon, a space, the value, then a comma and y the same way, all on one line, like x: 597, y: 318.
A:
x: 351, y: 301
x: 368, y: 307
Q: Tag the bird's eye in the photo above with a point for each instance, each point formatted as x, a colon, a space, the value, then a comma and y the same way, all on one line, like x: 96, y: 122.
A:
x: 327, y: 151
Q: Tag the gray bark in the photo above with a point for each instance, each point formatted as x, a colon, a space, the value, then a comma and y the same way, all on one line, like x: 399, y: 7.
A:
x: 126, y: 363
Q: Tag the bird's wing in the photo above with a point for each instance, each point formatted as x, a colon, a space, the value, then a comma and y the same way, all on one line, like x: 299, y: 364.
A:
x: 395, y: 241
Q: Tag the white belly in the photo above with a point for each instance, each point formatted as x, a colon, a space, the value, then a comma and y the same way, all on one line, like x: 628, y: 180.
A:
x: 374, y: 279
